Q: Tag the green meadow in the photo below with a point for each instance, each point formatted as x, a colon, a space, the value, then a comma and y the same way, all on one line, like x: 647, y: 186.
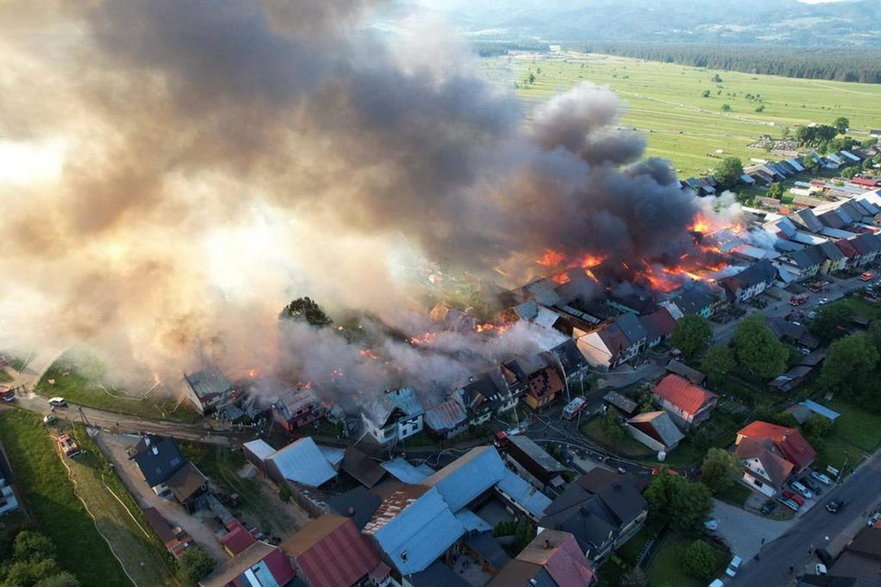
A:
x: 666, y: 102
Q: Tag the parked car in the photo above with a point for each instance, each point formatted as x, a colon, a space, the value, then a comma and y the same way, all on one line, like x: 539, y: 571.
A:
x: 799, y: 488
x: 58, y: 402
x: 788, y: 503
x: 820, y: 569
x: 50, y: 420
x: 821, y: 478
x: 794, y: 497
x: 835, y: 506
x: 823, y: 301
x: 812, y: 485
x: 734, y: 566
x: 873, y: 518
x: 769, y: 507
x: 824, y: 556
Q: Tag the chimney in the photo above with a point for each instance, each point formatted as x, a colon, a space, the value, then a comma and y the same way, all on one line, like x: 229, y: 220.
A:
x: 547, y: 544
x: 351, y: 510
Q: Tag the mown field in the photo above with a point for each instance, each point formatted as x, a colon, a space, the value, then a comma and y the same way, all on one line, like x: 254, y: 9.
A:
x: 665, y: 102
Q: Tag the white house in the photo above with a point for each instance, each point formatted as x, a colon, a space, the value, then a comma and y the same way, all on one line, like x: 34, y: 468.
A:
x: 395, y: 416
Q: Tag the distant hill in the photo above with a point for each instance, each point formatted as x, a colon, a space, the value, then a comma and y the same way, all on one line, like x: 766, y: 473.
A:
x: 775, y: 22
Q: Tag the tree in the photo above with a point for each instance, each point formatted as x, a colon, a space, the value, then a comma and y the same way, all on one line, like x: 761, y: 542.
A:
x: 613, y: 431
x: 815, y: 429
x: 691, y: 335
x: 196, y: 563
x: 675, y: 499
x: 874, y: 333
x: 705, y: 94
x: 634, y: 577
x: 305, y: 309
x: 841, y: 124
x: 849, y: 361
x: 32, y: 546
x: 698, y: 560
x: 850, y: 172
x: 757, y: 349
x: 827, y: 324
x: 776, y: 191
x: 728, y: 172
x: 719, y: 469
x: 717, y: 363
x: 726, y: 107
x: 810, y: 164
x: 62, y: 579
x: 716, y: 79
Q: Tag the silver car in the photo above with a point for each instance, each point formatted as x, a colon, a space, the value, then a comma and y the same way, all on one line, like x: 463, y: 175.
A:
x: 799, y: 488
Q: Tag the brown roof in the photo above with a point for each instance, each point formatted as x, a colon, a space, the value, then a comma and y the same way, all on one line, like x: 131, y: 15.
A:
x: 777, y: 467
x: 789, y: 441
x: 229, y: 570
x: 186, y: 482
x: 555, y: 552
x: 160, y: 525
x: 361, y: 467
x: 867, y: 543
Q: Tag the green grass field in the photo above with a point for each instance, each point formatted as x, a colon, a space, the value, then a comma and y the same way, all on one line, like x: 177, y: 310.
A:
x: 77, y: 380
x: 666, y: 569
x: 664, y: 101
x: 49, y: 495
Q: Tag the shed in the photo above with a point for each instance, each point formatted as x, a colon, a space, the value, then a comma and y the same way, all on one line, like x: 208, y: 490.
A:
x: 821, y: 410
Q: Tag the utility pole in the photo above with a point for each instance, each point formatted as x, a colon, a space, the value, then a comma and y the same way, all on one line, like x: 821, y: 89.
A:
x: 83, y: 416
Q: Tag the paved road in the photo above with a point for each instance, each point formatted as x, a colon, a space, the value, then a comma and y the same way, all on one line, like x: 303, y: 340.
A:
x: 722, y: 333
x: 795, y: 547
x: 745, y: 531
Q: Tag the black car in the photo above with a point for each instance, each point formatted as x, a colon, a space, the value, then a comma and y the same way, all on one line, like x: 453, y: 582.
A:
x: 834, y: 506
x: 811, y: 484
x: 768, y: 507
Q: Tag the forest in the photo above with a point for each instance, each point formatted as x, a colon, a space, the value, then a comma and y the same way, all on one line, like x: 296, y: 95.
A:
x: 847, y: 64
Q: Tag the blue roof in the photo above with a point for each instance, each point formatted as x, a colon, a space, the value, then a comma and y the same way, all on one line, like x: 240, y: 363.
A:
x: 303, y: 462
x: 523, y: 494
x: 473, y: 522
x: 414, y: 527
x: 463, y: 480
x: 404, y: 471
x: 822, y: 410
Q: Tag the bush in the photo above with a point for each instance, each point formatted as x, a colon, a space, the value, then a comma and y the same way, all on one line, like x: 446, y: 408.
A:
x: 698, y: 560
x: 196, y: 564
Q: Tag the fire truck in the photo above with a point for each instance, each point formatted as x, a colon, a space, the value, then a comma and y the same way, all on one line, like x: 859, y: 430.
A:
x: 867, y: 276
x: 6, y: 394
x: 798, y: 300
x: 68, y: 446
x: 574, y: 407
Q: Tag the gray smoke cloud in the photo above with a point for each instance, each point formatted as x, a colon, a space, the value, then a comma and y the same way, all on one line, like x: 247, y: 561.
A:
x: 207, y: 162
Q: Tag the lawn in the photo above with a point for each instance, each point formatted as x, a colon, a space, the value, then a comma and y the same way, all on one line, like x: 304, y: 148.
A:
x: 117, y: 515
x: 736, y: 494
x: 79, y: 381
x: 665, y: 569
x: 664, y: 102
x: 856, y: 426
x: 259, y: 507
x: 49, y: 495
x: 627, y: 448
x: 860, y: 307
x: 4, y: 376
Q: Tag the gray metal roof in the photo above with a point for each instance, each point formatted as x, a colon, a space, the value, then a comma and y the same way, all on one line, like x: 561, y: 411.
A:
x: 207, y: 382
x: 303, y: 462
x: 463, y: 480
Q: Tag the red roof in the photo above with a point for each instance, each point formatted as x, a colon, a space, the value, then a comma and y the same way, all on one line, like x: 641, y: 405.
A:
x: 864, y: 181
x: 788, y: 441
x: 280, y: 567
x: 683, y: 394
x: 329, y: 551
x: 847, y: 248
x: 237, y: 540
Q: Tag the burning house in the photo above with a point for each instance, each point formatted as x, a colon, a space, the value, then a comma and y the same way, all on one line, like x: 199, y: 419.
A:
x: 394, y: 416
x: 209, y: 390
x: 297, y: 407
x: 537, y: 376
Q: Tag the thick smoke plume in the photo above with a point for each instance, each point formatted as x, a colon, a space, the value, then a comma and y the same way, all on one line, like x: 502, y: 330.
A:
x: 202, y: 163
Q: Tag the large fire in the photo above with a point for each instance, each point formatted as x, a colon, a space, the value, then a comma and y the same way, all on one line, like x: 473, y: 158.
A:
x: 701, y: 262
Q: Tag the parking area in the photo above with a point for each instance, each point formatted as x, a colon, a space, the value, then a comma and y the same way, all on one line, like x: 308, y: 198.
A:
x: 744, y: 531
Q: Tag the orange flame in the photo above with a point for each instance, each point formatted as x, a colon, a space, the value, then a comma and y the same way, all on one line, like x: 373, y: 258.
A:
x: 701, y: 224
x: 252, y: 373
x: 560, y: 278
x: 551, y: 258
x: 369, y: 354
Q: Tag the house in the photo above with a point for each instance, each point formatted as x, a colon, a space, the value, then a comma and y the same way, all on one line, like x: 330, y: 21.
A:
x: 487, y: 551
x: 209, y: 390
x: 770, y: 454
x: 260, y: 564
x: 601, y: 509
x: 158, y: 461
x: 658, y: 326
x: 860, y: 560
x: 404, y: 472
x: 175, y: 539
x: 614, y: 343
x: 297, y: 407
x: 448, y: 418
x: 329, y: 552
x: 849, y: 251
x: 790, y: 380
x: 801, y: 264
x: 543, y: 381
x: 412, y: 528
x: 533, y: 463
x: 571, y: 361
x: 750, y: 282
x: 656, y: 430
x: 302, y: 462
x: 835, y: 259
x: 687, y: 403
x: 361, y: 467
x: 868, y: 246
x: 695, y: 300
x: 256, y: 452
x: 189, y: 487
x: 394, y: 416
x: 485, y: 395
x: 793, y: 333
x: 683, y: 370
x: 626, y: 406
x: 552, y: 559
